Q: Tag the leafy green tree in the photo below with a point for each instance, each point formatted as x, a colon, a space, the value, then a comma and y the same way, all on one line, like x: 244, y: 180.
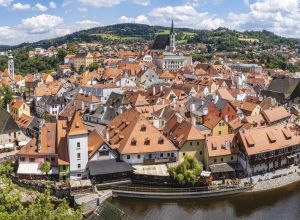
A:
x: 93, y: 66
x: 81, y: 69
x: 6, y: 96
x: 187, y: 172
x: 6, y: 167
x: 45, y: 167
x: 61, y: 55
x: 41, y: 208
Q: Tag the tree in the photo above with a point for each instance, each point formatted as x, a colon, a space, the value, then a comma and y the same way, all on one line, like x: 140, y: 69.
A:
x: 12, y: 208
x: 93, y: 66
x: 187, y: 172
x: 81, y: 69
x: 6, y: 168
x: 6, y: 96
x: 61, y: 55
x: 45, y: 167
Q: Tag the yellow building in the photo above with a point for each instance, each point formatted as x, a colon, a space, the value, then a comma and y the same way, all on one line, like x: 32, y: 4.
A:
x: 83, y: 59
x: 221, y: 156
x: 17, y: 108
x: 217, y: 126
x: 186, y: 137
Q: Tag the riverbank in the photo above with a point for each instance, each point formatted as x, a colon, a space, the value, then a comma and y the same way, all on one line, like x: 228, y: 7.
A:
x: 274, y: 183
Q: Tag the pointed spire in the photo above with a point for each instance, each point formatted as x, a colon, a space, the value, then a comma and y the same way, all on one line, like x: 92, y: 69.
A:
x: 172, y: 27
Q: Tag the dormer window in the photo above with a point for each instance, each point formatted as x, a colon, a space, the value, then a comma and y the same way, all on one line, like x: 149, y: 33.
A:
x: 160, y: 140
x: 133, y: 142
x: 143, y: 128
x: 147, y: 141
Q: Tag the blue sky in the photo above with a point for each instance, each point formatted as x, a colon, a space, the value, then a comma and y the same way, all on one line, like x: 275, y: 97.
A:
x: 29, y: 20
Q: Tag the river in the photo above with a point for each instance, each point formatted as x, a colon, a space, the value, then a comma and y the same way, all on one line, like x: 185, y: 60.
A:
x: 283, y: 203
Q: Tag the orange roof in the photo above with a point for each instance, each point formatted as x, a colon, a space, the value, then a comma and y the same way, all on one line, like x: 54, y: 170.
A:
x: 95, y: 141
x: 87, y: 98
x: 221, y: 145
x: 17, y: 103
x: 77, y: 127
x: 182, y: 132
x: 24, y: 120
x: 265, y: 139
x: 62, y: 145
x: 211, y: 122
x: 131, y: 133
x: 47, y: 142
x: 275, y: 114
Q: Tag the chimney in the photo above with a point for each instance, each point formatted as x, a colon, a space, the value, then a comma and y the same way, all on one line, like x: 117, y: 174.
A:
x: 192, y: 107
x: 174, y: 102
x: 194, y: 121
x: 153, y: 92
x: 107, y: 135
x: 161, y: 88
x: 82, y: 105
x: 226, y: 118
x: 91, y: 107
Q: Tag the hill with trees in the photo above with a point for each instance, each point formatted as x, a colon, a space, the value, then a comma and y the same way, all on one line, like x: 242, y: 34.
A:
x: 222, y: 39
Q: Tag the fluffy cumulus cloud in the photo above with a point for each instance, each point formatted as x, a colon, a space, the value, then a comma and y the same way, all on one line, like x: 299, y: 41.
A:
x: 52, y: 4
x: 41, y: 24
x: 7, y: 33
x: 101, y: 3
x: 186, y: 16
x: 40, y: 7
x: 141, y: 19
x: 20, y: 6
x: 142, y: 2
x: 5, y: 3
x: 281, y: 17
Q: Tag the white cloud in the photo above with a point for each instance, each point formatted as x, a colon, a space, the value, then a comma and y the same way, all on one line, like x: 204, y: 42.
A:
x: 81, y: 9
x: 142, y: 2
x: 86, y: 24
x: 40, y: 7
x: 66, y: 3
x: 7, y: 33
x: 141, y: 19
x: 101, y: 3
x: 281, y: 17
x: 20, y: 6
x: 5, y: 3
x: 186, y: 16
x: 52, y: 4
x: 42, y: 23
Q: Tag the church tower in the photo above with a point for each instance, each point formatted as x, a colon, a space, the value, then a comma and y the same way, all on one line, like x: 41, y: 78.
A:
x: 172, y: 36
x: 11, y: 65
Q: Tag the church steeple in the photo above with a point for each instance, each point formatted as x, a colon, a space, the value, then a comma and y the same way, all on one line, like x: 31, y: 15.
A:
x: 172, y: 46
x: 172, y: 28
x: 11, y: 65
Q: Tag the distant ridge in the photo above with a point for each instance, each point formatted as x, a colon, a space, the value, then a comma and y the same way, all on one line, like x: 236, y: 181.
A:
x: 129, y: 32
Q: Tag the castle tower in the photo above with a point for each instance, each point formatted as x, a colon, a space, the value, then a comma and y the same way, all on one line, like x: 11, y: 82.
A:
x: 172, y: 38
x: 11, y: 65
